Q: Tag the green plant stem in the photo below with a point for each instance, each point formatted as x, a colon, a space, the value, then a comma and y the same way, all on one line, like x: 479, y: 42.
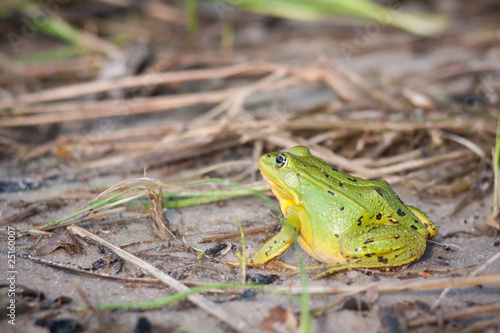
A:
x: 305, y: 313
x: 425, y: 25
x: 243, y: 258
x: 156, y: 303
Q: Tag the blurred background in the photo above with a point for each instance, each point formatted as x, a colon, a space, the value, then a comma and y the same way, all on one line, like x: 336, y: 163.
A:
x: 380, y: 89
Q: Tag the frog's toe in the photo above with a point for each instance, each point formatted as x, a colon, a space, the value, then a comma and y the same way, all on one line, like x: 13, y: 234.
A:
x: 308, y: 269
x: 249, y: 263
x: 279, y: 265
x: 332, y: 270
x: 233, y: 263
x: 272, y: 265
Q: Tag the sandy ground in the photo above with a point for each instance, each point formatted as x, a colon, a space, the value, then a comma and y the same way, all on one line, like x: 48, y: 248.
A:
x: 469, y: 249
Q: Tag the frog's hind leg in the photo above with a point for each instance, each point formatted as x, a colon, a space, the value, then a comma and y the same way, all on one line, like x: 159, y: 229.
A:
x: 427, y: 223
x: 379, y: 247
x: 373, y: 262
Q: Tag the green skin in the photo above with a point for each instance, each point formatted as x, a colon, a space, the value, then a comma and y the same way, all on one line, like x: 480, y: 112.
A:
x: 341, y: 220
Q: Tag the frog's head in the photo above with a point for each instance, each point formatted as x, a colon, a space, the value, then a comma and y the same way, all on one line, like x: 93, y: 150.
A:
x: 280, y: 171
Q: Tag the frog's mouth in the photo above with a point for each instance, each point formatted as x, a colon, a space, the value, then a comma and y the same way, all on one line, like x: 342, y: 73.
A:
x: 281, y: 194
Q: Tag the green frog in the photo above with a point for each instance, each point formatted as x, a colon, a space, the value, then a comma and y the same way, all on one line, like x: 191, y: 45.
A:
x: 346, y: 222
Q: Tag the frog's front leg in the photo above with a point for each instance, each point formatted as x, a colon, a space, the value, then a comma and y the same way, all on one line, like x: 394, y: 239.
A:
x: 378, y: 246
x: 277, y: 244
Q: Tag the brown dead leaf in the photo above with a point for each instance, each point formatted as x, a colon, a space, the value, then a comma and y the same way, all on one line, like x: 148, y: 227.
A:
x: 493, y: 223
x: 418, y: 99
x: 64, y: 240
x: 280, y: 320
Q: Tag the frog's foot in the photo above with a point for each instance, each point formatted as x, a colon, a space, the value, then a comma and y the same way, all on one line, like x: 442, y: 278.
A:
x: 249, y: 262
x: 309, y: 269
x: 340, y: 268
x: 272, y: 264
x: 233, y: 263
x: 278, y: 266
x: 336, y: 268
x: 374, y: 263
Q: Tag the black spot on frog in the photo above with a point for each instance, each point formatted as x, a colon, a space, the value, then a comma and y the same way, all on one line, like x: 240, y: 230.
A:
x: 382, y: 260
x: 358, y: 222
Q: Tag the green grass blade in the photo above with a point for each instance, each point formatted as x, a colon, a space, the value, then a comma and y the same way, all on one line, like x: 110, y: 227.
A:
x: 305, y: 297
x: 243, y: 259
x: 191, y: 8
x: 156, y: 303
x: 177, y: 199
x: 419, y: 24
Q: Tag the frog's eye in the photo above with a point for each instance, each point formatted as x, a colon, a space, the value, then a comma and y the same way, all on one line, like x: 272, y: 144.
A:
x: 280, y: 160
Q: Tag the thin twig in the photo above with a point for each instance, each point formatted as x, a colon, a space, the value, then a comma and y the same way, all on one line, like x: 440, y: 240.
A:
x: 393, y: 287
x: 230, y: 319
x: 475, y: 273
x: 455, y: 314
x: 88, y: 239
x: 229, y: 235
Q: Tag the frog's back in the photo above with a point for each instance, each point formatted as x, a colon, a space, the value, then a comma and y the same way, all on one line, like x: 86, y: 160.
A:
x: 342, y: 201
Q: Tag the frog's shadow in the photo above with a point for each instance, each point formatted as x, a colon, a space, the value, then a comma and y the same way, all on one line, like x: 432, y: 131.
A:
x: 434, y: 255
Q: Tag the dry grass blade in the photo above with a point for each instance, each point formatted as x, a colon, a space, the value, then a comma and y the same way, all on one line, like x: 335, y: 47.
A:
x: 72, y: 111
x: 234, y: 104
x: 79, y: 270
x: 93, y: 216
x: 464, y: 142
x: 230, y: 319
x: 102, y: 206
x: 392, y: 287
x: 345, y: 89
x: 328, y: 122
x: 142, y: 81
x: 158, y: 218
x: 376, y: 95
x: 85, y: 65
x: 127, y: 191
x: 454, y: 314
x: 487, y: 264
x: 228, y: 235
x: 453, y: 70
x: 414, y: 164
x: 175, y: 140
